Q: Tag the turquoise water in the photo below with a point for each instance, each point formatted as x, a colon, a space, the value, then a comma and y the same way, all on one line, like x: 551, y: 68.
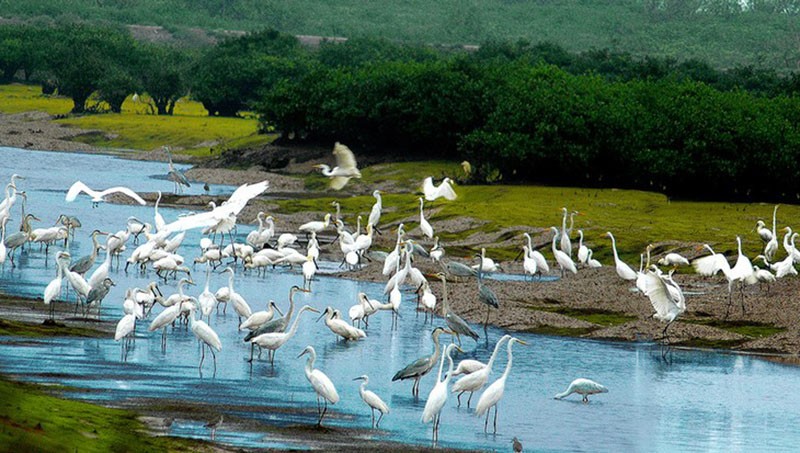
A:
x: 701, y: 401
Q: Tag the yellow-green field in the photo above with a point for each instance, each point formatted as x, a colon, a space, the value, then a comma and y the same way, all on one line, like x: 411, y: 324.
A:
x: 636, y: 218
x: 189, y: 130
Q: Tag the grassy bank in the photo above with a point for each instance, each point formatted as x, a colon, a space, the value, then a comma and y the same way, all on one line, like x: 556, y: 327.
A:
x: 190, y: 130
x: 31, y: 420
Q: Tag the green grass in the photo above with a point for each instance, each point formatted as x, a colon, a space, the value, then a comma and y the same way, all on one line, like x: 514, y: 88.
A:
x: 747, y: 328
x: 188, y: 131
x: 31, y: 420
x: 560, y: 331
x: 603, y: 318
x: 17, y: 98
x: 636, y: 218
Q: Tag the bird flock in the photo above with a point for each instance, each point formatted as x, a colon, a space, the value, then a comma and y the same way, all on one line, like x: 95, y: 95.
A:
x: 264, y: 248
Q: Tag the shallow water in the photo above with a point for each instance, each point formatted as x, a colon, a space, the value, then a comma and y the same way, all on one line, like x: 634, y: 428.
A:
x: 701, y: 401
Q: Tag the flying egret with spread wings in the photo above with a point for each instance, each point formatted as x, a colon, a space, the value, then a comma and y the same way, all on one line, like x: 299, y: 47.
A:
x: 345, y: 168
x: 445, y: 189
x: 98, y: 197
x: 237, y: 201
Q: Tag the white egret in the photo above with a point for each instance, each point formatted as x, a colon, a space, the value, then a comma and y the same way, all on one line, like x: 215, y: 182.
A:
x: 584, y: 387
x: 372, y: 400
x: 445, y: 189
x: 53, y: 288
x: 259, y: 318
x: 468, y: 366
x: 486, y: 264
x: 392, y: 258
x: 772, y: 243
x: 375, y: 213
x: 219, y: 214
x: 424, y: 225
x: 562, y: 258
x: 207, y: 300
x: 274, y: 340
x: 623, y: 269
x: 437, y: 252
x: 494, y: 393
x: 583, y: 251
x: 340, y: 327
x: 98, y: 197
x: 438, y: 395
x: 673, y: 259
x: 321, y: 383
x: 345, y: 168
x: 741, y: 271
x: 593, y: 263
x: 541, y: 262
x: 206, y: 335
x: 125, y: 330
x: 667, y: 304
x: 228, y: 294
x: 309, y: 270
x: 164, y: 319
x: 315, y: 226
x: 565, y: 243
x: 473, y: 382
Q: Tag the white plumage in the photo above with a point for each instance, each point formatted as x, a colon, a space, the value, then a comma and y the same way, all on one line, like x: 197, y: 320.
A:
x: 584, y: 387
x: 623, y: 269
x: 445, y: 189
x: 98, y: 197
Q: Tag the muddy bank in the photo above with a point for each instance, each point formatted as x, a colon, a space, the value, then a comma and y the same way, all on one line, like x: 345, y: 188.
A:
x: 594, y: 303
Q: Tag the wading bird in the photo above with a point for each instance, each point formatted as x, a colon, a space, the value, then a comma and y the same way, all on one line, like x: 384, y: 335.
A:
x: 438, y: 395
x: 623, y: 270
x: 494, y: 393
x: 98, y: 197
x: 422, y: 366
x: 372, y: 400
x: 445, y: 189
x: 474, y: 381
x: 322, y: 385
x: 584, y: 387
x: 274, y: 340
x: 345, y: 168
x: 457, y: 325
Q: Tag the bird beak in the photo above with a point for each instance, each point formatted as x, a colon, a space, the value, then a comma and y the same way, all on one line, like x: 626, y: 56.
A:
x: 323, y: 314
x: 459, y: 349
x: 524, y: 343
x: 301, y: 354
x: 358, y: 379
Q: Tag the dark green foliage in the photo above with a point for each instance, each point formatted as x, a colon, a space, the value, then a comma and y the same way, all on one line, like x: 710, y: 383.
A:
x: 80, y: 57
x: 233, y: 75
x: 163, y: 74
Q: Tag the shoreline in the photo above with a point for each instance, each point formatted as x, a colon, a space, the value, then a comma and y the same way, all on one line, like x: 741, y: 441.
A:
x: 595, y: 303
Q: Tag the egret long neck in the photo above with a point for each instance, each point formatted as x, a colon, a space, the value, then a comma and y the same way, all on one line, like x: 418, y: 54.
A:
x: 312, y: 357
x: 441, y: 363
x: 494, y: 354
x: 294, y: 328
x: 614, y: 247
x: 450, y: 368
x: 445, y: 305
x: 510, y: 359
